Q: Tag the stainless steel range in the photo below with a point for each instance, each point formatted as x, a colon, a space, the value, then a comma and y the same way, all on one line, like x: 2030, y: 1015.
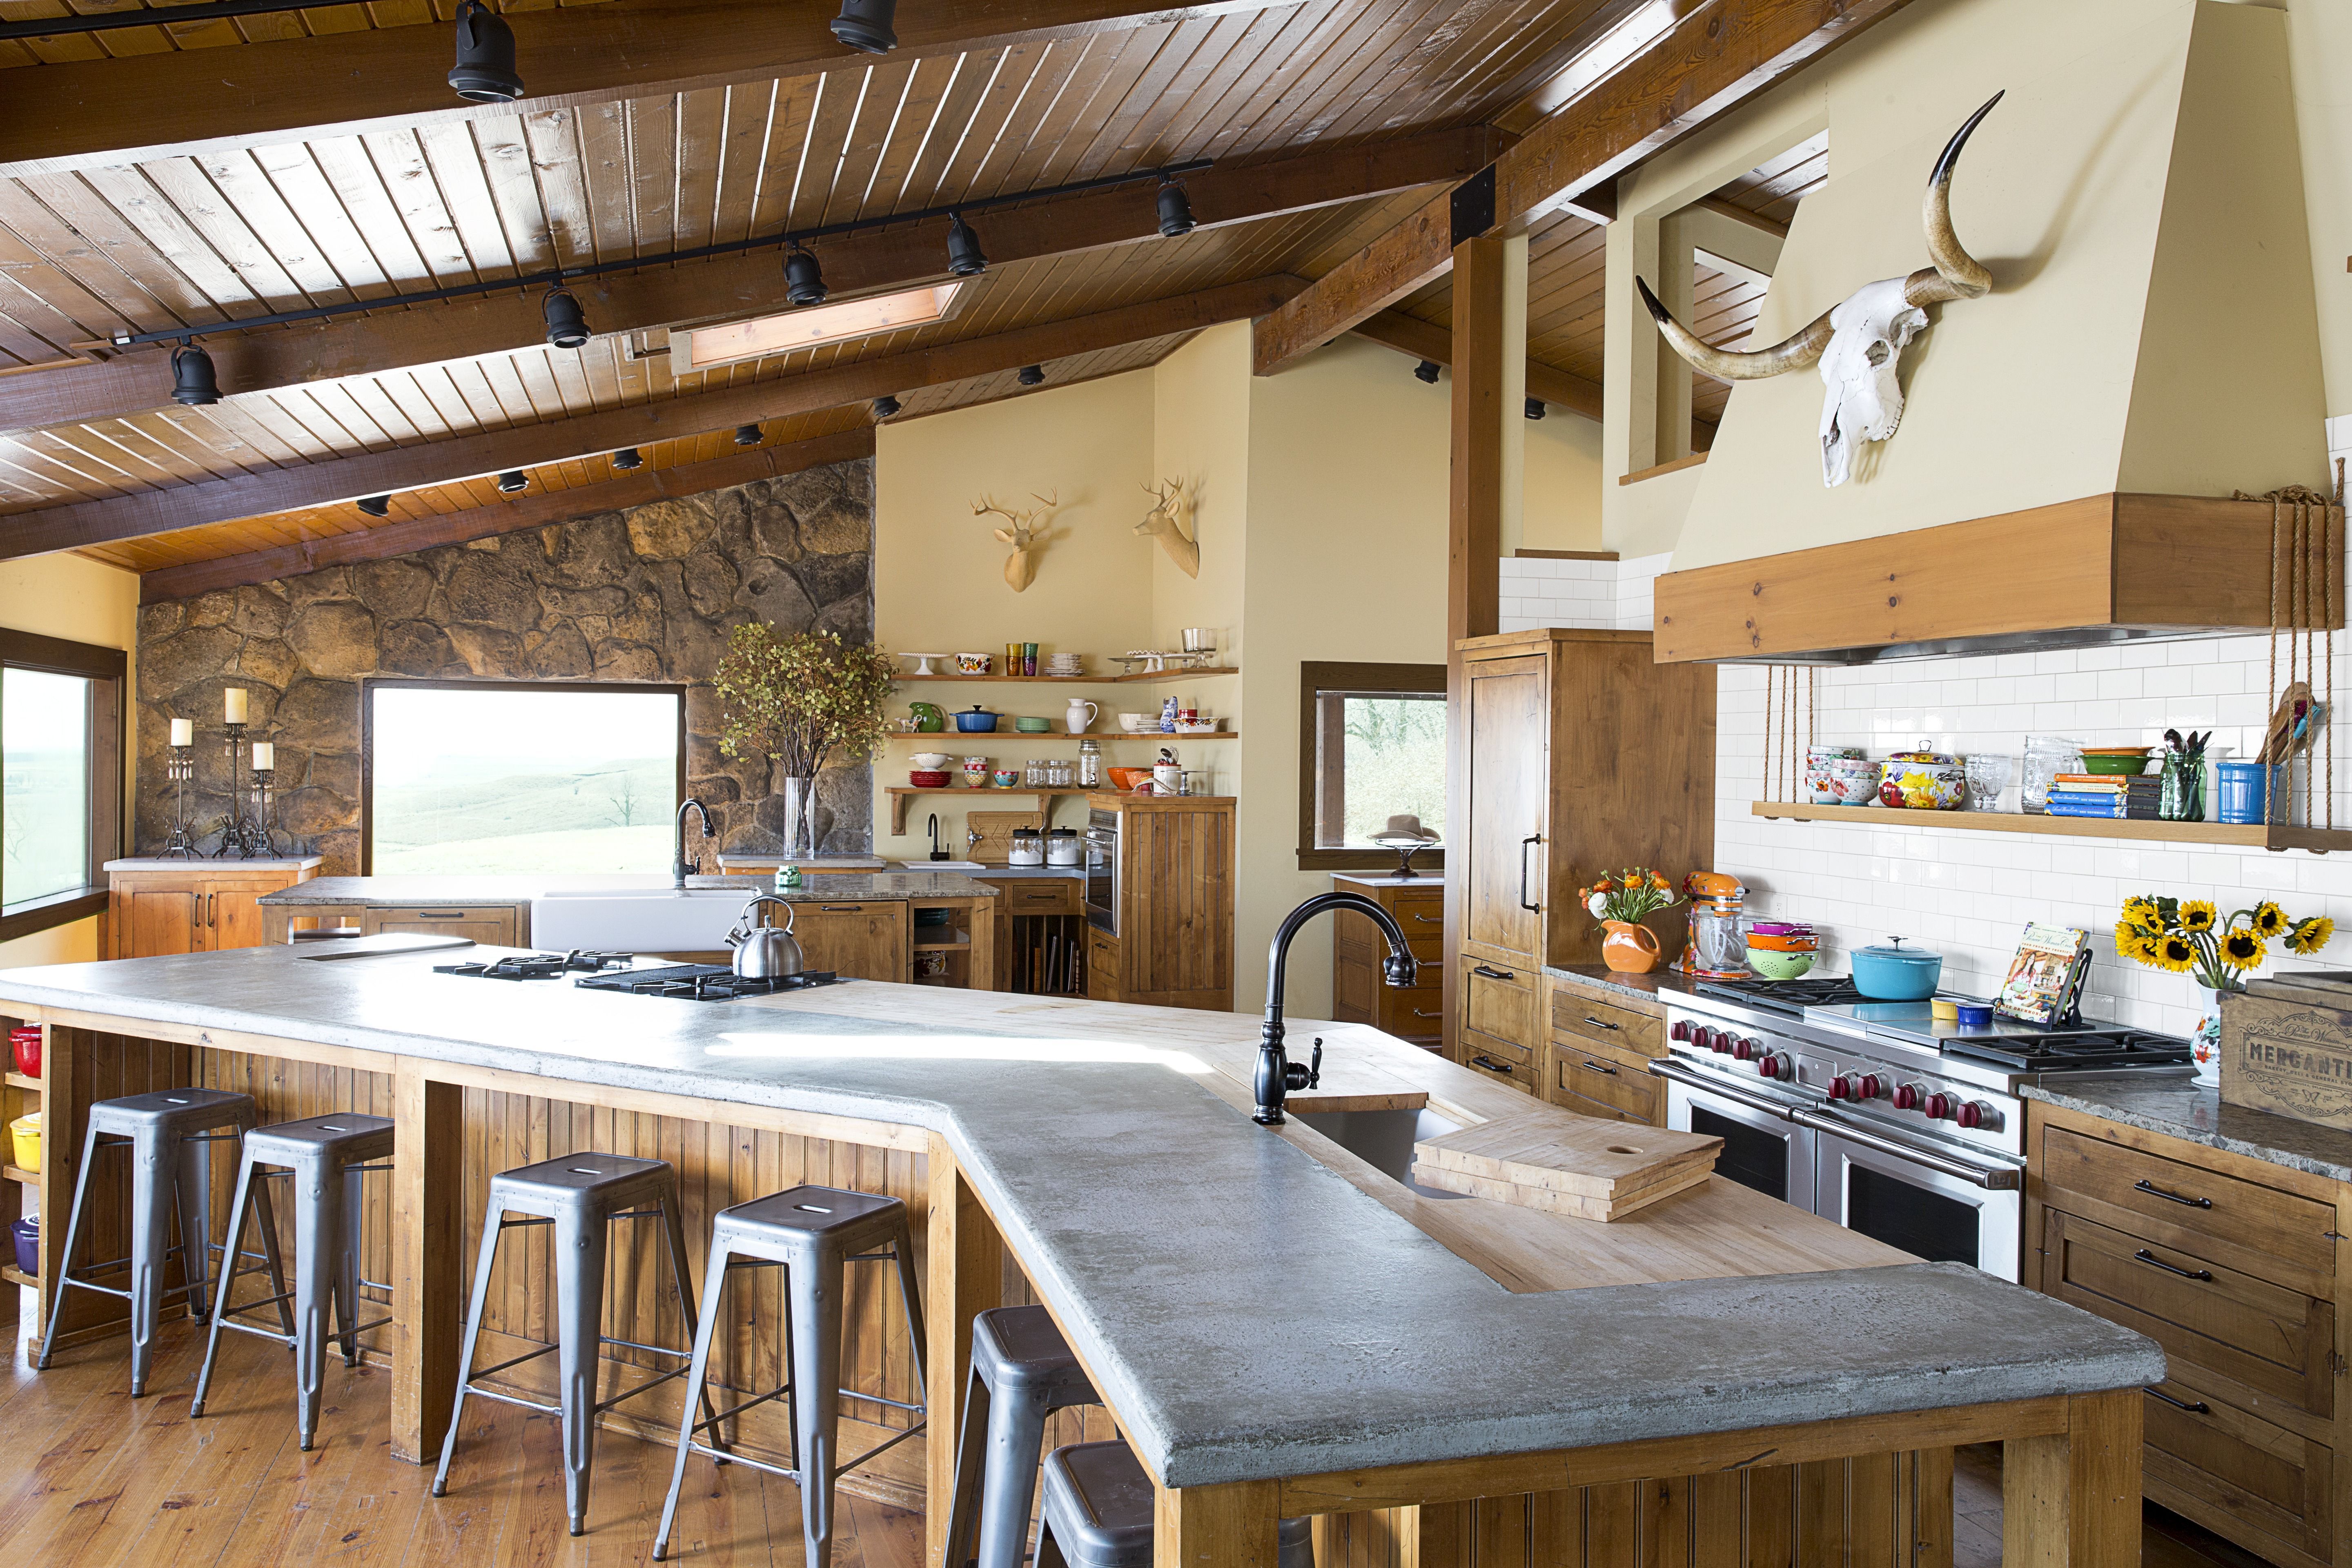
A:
x: 1876, y: 1114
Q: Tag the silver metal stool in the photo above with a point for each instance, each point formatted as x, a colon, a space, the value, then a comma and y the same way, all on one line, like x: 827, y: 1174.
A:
x: 324, y: 1156
x: 169, y: 1133
x: 579, y: 1195
x: 1098, y: 1507
x: 812, y: 1232
x: 1022, y: 1372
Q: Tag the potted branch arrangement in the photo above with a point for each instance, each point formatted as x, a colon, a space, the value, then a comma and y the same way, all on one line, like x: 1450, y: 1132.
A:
x: 797, y: 700
x: 1621, y: 901
x: 2190, y: 936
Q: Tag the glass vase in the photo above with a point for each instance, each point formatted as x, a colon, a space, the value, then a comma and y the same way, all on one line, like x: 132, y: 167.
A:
x: 2180, y: 794
x: 799, y: 818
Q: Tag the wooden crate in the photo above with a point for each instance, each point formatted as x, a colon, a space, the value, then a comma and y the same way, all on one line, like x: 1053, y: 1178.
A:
x: 2286, y: 1046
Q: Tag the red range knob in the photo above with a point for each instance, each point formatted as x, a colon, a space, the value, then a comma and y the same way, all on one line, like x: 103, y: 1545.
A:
x: 1770, y: 1067
x: 1939, y: 1107
x: 1868, y: 1087
x: 1971, y: 1114
x: 1839, y: 1087
x: 1743, y: 1049
x: 1907, y: 1097
x: 1681, y: 1031
x: 1976, y: 1113
x: 1707, y: 1036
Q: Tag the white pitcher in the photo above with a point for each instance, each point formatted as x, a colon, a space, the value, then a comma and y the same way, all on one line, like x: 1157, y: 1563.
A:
x: 1082, y: 713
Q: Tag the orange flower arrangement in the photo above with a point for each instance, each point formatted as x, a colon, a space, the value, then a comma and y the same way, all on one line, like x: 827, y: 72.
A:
x: 1628, y: 895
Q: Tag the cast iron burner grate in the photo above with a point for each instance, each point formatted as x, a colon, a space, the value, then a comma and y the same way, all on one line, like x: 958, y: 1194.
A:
x: 2088, y: 1052
x: 702, y: 983
x: 1789, y: 996
x: 538, y: 965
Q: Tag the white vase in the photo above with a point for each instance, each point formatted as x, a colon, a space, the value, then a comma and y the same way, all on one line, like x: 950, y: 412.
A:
x: 2205, y: 1045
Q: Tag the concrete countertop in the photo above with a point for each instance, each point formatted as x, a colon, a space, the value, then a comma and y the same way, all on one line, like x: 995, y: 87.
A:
x: 470, y: 892
x: 206, y: 862
x: 1251, y: 1312
x: 2182, y: 1110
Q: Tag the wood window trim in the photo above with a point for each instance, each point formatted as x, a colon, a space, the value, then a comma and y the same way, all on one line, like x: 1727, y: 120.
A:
x: 369, y: 687
x: 1315, y: 677
x: 108, y: 668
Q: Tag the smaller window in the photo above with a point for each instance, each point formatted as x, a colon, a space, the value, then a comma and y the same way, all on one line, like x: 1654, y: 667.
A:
x: 60, y: 779
x: 1371, y: 746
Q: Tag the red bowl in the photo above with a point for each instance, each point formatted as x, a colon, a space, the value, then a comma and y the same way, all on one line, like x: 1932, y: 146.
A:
x: 922, y: 780
x: 25, y: 1042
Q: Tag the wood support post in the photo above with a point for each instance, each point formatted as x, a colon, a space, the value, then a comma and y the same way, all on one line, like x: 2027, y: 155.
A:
x: 429, y: 1256
x: 1215, y: 1527
x: 2072, y: 1499
x: 965, y: 1258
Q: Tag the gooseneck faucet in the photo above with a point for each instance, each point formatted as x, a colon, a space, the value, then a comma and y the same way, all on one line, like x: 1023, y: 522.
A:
x: 1277, y: 1075
x: 680, y: 867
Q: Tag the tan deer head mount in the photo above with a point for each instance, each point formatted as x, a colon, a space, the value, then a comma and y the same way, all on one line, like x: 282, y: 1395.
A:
x: 1161, y: 524
x: 1026, y: 536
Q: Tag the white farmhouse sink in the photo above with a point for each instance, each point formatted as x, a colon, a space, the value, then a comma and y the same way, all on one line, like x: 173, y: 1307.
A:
x: 636, y: 919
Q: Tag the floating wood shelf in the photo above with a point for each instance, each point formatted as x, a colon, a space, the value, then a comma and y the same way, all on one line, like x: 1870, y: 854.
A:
x: 1083, y: 679
x: 18, y: 1080
x: 900, y: 795
x: 1163, y: 738
x: 18, y: 1174
x: 2247, y: 836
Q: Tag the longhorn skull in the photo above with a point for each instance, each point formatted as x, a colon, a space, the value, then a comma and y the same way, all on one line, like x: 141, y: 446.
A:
x: 1858, y: 343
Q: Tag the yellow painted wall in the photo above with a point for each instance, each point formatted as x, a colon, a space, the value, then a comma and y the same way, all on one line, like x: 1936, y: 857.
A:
x: 67, y: 596
x: 1563, y: 494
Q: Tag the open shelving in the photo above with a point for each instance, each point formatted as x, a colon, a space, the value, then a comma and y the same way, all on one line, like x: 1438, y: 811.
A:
x: 901, y: 795
x: 1140, y: 675
x: 2244, y: 836
x: 1158, y: 736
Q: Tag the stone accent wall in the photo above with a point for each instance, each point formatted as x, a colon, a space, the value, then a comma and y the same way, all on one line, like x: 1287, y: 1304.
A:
x: 645, y: 595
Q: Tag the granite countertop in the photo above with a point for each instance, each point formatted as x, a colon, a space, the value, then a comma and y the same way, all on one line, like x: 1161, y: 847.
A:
x: 185, y: 863
x: 2180, y: 1109
x: 1658, y: 985
x: 468, y: 892
x: 1248, y: 1310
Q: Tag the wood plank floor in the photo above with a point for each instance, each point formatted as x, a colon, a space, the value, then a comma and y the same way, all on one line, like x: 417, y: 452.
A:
x: 90, y: 1477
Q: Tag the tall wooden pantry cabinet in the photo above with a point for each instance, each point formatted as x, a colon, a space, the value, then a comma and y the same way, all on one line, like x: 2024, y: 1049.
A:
x: 1577, y: 754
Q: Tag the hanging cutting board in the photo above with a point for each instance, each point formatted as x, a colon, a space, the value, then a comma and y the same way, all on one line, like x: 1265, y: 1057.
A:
x: 1564, y: 1163
x: 994, y: 847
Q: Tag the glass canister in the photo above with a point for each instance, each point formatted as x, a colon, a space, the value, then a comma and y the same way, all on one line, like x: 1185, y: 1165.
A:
x: 2046, y: 756
x: 1090, y: 763
x: 2181, y: 795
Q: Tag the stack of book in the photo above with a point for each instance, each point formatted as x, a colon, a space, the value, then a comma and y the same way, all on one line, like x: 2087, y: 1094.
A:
x: 2105, y: 794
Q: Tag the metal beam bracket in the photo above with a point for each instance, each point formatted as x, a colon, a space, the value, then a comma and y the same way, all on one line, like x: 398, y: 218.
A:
x: 1474, y: 205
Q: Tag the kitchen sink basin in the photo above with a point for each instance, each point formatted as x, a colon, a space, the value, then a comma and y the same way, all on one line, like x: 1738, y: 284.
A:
x: 636, y: 919
x: 1383, y: 1139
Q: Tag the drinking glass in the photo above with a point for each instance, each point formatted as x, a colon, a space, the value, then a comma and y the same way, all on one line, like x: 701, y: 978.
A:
x: 2047, y: 756
x: 1988, y: 776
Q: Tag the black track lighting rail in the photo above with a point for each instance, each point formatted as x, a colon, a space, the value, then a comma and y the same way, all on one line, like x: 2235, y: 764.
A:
x: 159, y: 16
x: 557, y: 278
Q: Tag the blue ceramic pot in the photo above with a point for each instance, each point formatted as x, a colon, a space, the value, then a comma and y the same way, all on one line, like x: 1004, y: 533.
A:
x: 1892, y: 972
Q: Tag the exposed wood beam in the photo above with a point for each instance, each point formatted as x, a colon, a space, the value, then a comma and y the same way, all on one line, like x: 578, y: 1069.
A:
x: 527, y: 446
x: 531, y: 510
x: 1763, y: 225
x: 134, y: 108
x: 877, y: 259
x: 1707, y: 63
x: 1426, y: 339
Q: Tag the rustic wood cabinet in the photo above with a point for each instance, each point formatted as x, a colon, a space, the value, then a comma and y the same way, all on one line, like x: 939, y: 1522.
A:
x: 1174, y: 945
x: 1039, y: 925
x: 868, y: 939
x: 492, y: 925
x: 2228, y: 1263
x: 1359, y: 993
x: 1576, y: 753
x: 157, y: 907
x: 1603, y: 1042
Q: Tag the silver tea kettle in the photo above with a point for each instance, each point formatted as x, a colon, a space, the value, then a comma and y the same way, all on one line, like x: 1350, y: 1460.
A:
x: 765, y: 953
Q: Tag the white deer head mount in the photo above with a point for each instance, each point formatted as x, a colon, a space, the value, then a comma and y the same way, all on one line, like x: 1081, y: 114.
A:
x: 1161, y: 524
x: 1026, y: 536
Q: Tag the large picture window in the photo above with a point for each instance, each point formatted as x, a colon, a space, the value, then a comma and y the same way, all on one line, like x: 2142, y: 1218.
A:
x: 495, y: 776
x: 60, y: 779
x: 1371, y: 746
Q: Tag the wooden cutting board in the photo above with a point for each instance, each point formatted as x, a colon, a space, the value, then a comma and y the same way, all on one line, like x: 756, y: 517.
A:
x: 994, y: 844
x: 1573, y: 1204
x: 1578, y: 1156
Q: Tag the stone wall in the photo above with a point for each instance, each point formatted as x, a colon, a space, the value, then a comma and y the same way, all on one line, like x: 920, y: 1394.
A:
x: 645, y: 595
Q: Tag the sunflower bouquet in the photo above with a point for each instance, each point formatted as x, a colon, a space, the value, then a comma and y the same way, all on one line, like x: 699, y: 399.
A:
x: 2190, y: 936
x: 1628, y: 896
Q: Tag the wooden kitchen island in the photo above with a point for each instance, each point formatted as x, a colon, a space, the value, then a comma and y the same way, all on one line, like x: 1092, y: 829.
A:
x: 1277, y: 1327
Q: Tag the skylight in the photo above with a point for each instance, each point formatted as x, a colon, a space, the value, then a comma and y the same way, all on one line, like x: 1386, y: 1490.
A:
x: 701, y: 348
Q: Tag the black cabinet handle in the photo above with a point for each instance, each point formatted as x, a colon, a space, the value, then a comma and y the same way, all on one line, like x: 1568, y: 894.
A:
x: 1597, y: 1066
x: 440, y: 914
x: 1490, y: 1064
x: 2194, y: 1406
x: 2151, y: 1188
x: 2145, y: 1256
x: 1530, y: 839
x: 841, y: 909
x: 1494, y: 974
x: 1599, y: 1025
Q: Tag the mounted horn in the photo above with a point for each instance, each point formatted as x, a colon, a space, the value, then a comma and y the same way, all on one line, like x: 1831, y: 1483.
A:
x: 1733, y: 364
x: 1956, y: 274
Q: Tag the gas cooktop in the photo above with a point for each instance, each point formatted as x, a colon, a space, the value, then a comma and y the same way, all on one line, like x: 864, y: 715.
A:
x: 2084, y: 1052
x: 702, y: 983
x: 538, y: 965
x: 1789, y: 996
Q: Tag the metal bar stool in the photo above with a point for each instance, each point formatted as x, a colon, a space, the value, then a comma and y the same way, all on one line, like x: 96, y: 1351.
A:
x: 813, y: 1233
x: 579, y: 1195
x: 168, y: 1132
x: 1099, y: 1511
x: 1022, y: 1372
x: 324, y: 1156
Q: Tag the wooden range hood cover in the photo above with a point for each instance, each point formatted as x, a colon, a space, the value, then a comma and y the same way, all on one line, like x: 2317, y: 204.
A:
x: 2105, y: 569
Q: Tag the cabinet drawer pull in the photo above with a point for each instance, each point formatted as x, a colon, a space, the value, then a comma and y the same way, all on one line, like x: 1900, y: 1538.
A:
x: 2145, y: 1256
x: 1597, y: 1066
x: 1490, y: 1064
x: 1419, y: 1014
x: 440, y: 914
x: 1494, y: 974
x: 842, y: 909
x: 212, y: 905
x: 1524, y: 843
x: 2151, y: 1188
x: 2194, y: 1406
x: 1431, y: 920
x: 1599, y: 1025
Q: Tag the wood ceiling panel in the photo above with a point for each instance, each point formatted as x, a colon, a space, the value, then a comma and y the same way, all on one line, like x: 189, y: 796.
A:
x: 227, y: 32
x: 1773, y: 188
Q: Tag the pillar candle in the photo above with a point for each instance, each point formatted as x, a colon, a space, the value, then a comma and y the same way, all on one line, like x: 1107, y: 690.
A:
x: 235, y: 696
x: 183, y: 732
x: 265, y: 757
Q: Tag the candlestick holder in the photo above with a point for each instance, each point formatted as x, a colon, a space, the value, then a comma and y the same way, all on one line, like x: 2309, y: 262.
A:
x: 265, y: 810
x: 178, y: 771
x: 240, y: 831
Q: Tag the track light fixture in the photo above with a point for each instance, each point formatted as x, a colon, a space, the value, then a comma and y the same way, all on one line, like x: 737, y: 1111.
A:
x: 1032, y: 375
x: 1535, y: 408
x: 803, y: 278
x: 964, y: 256
x: 567, y: 325
x: 1175, y: 210
x: 747, y: 435
x: 376, y: 506
x: 1426, y: 371
x: 866, y: 24
x: 192, y: 376
x: 514, y: 481
x: 628, y: 459
x: 885, y: 406
x: 485, y: 71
